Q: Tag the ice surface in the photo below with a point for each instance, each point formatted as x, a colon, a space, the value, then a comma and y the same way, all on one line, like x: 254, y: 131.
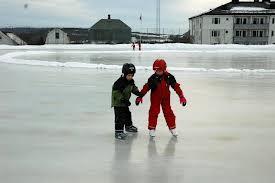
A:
x: 56, y: 124
x: 180, y: 57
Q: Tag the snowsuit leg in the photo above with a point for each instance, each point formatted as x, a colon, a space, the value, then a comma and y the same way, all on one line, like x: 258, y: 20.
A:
x: 122, y: 117
x: 153, y: 113
x: 168, y: 113
x: 129, y: 121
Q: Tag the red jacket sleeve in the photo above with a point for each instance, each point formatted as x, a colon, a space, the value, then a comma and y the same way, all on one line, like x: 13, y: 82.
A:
x: 145, y: 89
x: 178, y: 90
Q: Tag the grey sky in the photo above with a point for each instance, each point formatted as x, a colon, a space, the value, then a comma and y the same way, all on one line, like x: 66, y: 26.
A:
x: 84, y: 13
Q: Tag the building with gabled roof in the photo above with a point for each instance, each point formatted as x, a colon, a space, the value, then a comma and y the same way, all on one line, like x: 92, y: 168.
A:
x: 110, y: 31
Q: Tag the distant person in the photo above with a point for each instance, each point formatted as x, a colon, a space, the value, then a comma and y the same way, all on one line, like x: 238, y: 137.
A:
x: 121, y: 94
x: 134, y: 46
x: 139, y: 46
x: 159, y: 84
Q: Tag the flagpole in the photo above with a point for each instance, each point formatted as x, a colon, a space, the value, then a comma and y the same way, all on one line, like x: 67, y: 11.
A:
x: 140, y: 18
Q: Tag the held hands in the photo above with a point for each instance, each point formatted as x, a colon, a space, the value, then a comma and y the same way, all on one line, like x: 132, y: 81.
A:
x: 183, y: 101
x: 139, y: 100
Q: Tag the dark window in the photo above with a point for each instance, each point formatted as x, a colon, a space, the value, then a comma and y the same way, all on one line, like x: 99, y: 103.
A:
x: 57, y: 35
x: 273, y: 20
x: 215, y: 33
x: 244, y: 21
x: 238, y: 21
x: 262, y: 21
x: 0, y: 37
x: 272, y: 34
x: 254, y: 33
x: 227, y: 18
x: 226, y: 32
x: 216, y: 21
x: 255, y: 20
x: 238, y: 33
x: 261, y: 33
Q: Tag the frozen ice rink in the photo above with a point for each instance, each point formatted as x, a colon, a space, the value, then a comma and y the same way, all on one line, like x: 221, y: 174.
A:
x: 56, y: 123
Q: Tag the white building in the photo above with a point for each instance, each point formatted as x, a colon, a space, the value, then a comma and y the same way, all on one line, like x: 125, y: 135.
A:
x: 57, y: 36
x: 235, y: 23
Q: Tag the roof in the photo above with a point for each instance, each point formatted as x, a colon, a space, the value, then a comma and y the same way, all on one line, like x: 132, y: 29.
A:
x: 242, y: 8
x: 8, y: 36
x: 110, y: 24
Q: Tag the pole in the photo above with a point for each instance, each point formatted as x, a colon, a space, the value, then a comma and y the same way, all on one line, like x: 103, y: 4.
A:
x: 140, y: 18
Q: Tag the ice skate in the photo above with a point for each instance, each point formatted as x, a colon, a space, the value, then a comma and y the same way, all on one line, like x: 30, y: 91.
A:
x: 174, y: 132
x: 152, y: 133
x: 120, y: 135
x: 131, y: 129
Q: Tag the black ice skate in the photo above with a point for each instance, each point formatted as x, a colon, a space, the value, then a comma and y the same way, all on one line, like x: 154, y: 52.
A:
x: 131, y: 129
x: 120, y: 135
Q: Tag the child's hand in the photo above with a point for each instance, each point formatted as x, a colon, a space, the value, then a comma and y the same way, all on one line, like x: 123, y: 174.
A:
x: 139, y: 100
x: 183, y: 101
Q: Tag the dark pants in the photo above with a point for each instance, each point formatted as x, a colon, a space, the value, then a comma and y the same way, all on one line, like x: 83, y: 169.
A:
x: 123, y: 117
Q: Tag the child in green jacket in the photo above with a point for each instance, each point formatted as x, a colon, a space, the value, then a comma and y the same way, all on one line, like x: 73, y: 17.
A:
x: 121, y: 94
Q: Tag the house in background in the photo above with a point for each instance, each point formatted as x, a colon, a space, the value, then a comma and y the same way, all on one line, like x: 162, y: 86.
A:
x: 110, y: 31
x: 235, y: 23
x: 57, y: 36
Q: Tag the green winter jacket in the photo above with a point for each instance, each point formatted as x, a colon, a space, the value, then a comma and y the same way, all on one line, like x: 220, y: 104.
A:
x: 121, y: 92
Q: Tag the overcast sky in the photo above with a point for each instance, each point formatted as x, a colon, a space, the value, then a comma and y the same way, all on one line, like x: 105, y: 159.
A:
x: 84, y: 13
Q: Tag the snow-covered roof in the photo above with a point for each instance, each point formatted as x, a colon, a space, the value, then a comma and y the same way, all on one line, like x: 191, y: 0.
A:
x: 232, y: 8
x: 243, y: 8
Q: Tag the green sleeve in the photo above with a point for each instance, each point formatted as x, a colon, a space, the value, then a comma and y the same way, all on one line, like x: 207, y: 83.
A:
x: 136, y: 91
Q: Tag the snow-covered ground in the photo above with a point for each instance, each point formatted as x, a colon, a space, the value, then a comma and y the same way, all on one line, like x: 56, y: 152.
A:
x: 56, y: 124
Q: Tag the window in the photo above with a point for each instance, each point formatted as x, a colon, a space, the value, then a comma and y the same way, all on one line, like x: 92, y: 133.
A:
x: 216, y: 20
x: 57, y: 35
x: 227, y: 19
x: 255, y: 20
x: 215, y: 33
x: 0, y: 37
x: 241, y: 34
x: 272, y: 33
x: 262, y: 21
x: 273, y: 20
x: 238, y: 21
x: 261, y: 33
x: 255, y: 33
x: 226, y: 32
x: 241, y: 20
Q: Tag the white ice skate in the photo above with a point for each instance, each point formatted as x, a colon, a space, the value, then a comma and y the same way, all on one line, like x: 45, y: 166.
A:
x: 174, y: 132
x: 152, y: 133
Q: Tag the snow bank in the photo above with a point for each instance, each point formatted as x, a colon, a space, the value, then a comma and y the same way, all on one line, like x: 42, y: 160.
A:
x: 11, y: 58
x: 146, y: 47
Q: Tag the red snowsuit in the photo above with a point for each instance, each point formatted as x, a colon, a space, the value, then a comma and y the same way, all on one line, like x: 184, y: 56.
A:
x: 160, y: 96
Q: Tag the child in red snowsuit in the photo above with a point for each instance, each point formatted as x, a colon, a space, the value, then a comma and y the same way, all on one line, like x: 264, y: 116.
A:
x: 159, y: 84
